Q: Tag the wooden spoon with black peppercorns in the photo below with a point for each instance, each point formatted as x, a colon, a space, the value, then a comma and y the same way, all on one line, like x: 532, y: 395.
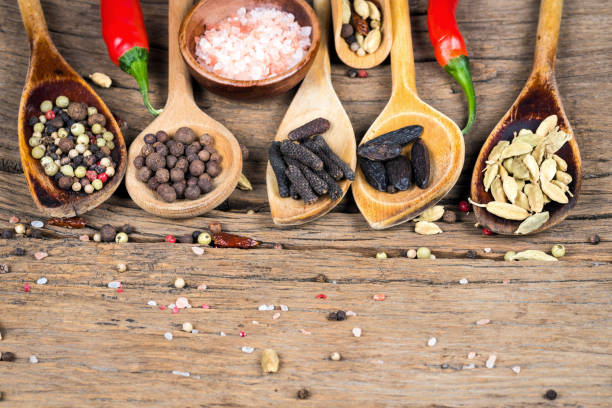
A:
x: 50, y: 76
x: 182, y: 111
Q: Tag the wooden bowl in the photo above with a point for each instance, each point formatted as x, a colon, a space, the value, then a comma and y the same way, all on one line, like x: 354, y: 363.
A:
x: 208, y: 12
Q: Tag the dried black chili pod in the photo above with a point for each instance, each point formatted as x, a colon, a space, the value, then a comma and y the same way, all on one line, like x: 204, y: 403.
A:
x: 298, y: 152
x: 278, y: 166
x: 380, y: 151
x: 399, y: 173
x: 420, y: 164
x: 375, y: 174
x: 320, y: 145
x: 306, y: 131
x: 401, y: 136
x: 301, y: 184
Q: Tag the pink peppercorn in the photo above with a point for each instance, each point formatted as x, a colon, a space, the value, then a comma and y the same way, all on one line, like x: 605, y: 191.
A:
x: 321, y: 296
x: 242, y: 334
x: 162, y: 307
x: 486, y: 231
x: 26, y: 287
x: 362, y: 73
x: 206, y: 306
x: 175, y: 310
x: 103, y: 177
x: 170, y: 239
x: 464, y: 206
x: 91, y: 175
x: 120, y: 290
x: 50, y: 115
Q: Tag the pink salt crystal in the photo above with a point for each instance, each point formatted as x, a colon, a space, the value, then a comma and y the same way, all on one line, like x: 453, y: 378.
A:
x: 175, y: 310
x: 202, y: 287
x: 276, y: 316
x: 13, y: 220
x: 40, y: 255
x: 181, y: 302
x: 84, y: 238
x: 379, y: 297
x: 482, y: 322
x: 252, y: 45
x: 162, y: 307
x: 306, y: 332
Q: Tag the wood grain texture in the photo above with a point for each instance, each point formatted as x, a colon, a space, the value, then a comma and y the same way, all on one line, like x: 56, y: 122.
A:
x: 349, y: 57
x: 315, y: 98
x: 441, y: 135
x: 539, y: 99
x: 552, y: 320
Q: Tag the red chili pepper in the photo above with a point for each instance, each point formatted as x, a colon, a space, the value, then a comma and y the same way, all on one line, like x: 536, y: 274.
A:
x: 450, y: 50
x: 225, y: 240
x: 126, y: 39
x: 74, y: 222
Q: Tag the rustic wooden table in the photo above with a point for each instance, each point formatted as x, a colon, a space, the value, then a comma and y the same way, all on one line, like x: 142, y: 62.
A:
x: 97, y: 347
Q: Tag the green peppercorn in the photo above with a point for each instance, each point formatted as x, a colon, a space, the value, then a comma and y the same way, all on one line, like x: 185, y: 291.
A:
x: 81, y: 148
x: 110, y: 144
x: 204, y: 238
x: 509, y: 256
x: 96, y: 128
x: 121, y: 236
x: 39, y: 127
x: 77, y: 129
x: 51, y: 169
x: 108, y: 136
x: 381, y: 255
x: 97, y: 184
x: 558, y: 251
x: 82, y: 139
x: 46, y: 106
x: 62, y: 101
x: 100, y: 142
x: 34, y: 141
x: 42, y: 119
x: 38, y: 152
x: 45, y: 161
x: 80, y: 171
x: 423, y: 253
x: 62, y: 133
x: 91, y: 110
x: 67, y: 170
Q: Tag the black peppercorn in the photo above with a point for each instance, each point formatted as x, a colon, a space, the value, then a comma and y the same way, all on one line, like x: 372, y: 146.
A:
x: 107, y: 233
x: 127, y: 228
x: 471, y: 254
x: 303, y: 394
x: 19, y: 251
x: 594, y: 239
x: 195, y: 235
x: 8, y: 234
x: 7, y: 356
x: 351, y: 73
x: 551, y: 395
x: 36, y: 233
x: 150, y: 138
x: 33, y: 120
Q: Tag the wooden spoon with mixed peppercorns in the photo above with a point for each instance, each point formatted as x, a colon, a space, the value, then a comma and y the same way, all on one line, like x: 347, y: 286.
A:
x: 181, y: 111
x: 50, y: 76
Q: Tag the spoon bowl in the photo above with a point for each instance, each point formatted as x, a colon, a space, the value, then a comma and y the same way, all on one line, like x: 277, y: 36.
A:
x: 441, y: 135
x: 539, y: 99
x: 315, y: 98
x: 369, y: 60
x: 50, y: 76
x: 181, y: 110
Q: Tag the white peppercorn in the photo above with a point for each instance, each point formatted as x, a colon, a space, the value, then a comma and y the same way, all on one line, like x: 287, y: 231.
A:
x: 121, y: 267
x: 20, y: 228
x: 97, y: 184
x: 89, y: 189
x: 179, y: 283
x: 76, y: 186
x: 187, y: 327
x: 97, y: 237
x: 381, y: 255
x: 411, y: 253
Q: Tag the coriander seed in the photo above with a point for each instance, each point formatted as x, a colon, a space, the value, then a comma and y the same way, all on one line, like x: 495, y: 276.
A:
x: 509, y: 256
x: 187, y: 327
x: 423, y: 253
x: 179, y: 283
x: 121, y: 237
x: 558, y: 251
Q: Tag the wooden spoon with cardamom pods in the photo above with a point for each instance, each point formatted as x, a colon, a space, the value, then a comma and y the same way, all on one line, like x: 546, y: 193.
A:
x: 538, y: 100
x: 441, y: 135
x: 371, y: 58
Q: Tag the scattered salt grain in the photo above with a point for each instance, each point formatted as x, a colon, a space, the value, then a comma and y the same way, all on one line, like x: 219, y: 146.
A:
x: 247, y: 349
x: 181, y: 373
x: 152, y: 303
x: 255, y: 322
x: 202, y: 286
x: 471, y: 355
x: 84, y: 238
x: 168, y: 336
x: 114, y: 284
x: 379, y: 297
x: 470, y: 366
x: 37, y: 224
x: 41, y: 281
x: 195, y: 331
x: 516, y: 369
x: 491, y: 361
x: 265, y: 307
x: 40, y: 255
x: 182, y: 303
x: 222, y: 334
x: 482, y: 322
x: 284, y: 308
x: 33, y: 359
x: 306, y: 332
x: 432, y: 341
x: 254, y: 44
x: 275, y: 316
x: 356, y: 332
x: 463, y: 281
x: 350, y: 313
x: 197, y: 250
x: 487, y: 250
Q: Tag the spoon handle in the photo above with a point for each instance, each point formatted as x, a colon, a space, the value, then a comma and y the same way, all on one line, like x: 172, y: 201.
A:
x: 402, y: 59
x: 179, y: 80
x: 320, y: 69
x: 547, y: 36
x: 34, y: 21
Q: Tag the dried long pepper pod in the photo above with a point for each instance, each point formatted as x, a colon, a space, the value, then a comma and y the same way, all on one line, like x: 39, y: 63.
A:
x: 401, y: 136
x: 318, y: 185
x: 225, y: 240
x: 306, y: 131
x: 278, y: 166
x: 293, y: 192
x: 375, y: 174
x: 301, y: 184
x: 298, y: 152
x: 399, y: 173
x: 321, y: 145
x: 329, y: 165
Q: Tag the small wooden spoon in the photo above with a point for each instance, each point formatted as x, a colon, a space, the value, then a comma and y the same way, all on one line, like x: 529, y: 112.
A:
x: 349, y: 57
x: 181, y: 110
x: 538, y: 99
x: 50, y: 76
x: 315, y: 98
x: 441, y: 135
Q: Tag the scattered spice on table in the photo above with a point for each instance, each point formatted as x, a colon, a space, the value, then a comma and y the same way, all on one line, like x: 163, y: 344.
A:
x: 40, y: 255
x: 335, y: 356
x: 26, y: 287
x: 187, y: 327
x: 226, y: 240
x: 551, y: 395
x: 7, y: 356
x: 490, y: 363
x: 246, y: 349
x: 114, y: 284
x: 4, y: 268
x: 41, y: 281
x: 381, y: 255
x: 303, y: 394
x: 356, y: 331
x: 73, y: 222
x: 379, y: 297
x: 432, y: 341
x: 463, y: 281
x: 516, y: 369
x: 179, y: 283
x: 482, y: 322
x: 269, y: 361
x: 33, y: 359
x: 594, y: 239
x: 321, y: 296
x: 168, y: 336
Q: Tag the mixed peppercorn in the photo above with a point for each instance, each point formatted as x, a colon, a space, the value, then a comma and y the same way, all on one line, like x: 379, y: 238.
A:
x: 73, y: 145
x: 361, y: 26
x: 180, y: 167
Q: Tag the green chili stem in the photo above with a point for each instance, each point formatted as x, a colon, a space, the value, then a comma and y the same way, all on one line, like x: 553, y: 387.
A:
x: 459, y: 68
x: 134, y: 62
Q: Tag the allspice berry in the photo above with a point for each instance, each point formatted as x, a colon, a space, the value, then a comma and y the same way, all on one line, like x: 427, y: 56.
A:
x: 162, y: 175
x: 185, y: 135
x: 171, y: 161
x: 155, y: 161
x: 144, y: 173
x: 167, y: 193
x: 153, y: 183
x: 206, y: 139
x: 180, y: 187
x: 196, y: 168
x: 146, y: 150
x: 161, y: 136
x: 193, y: 148
x: 182, y: 164
x: 205, y: 183
x: 213, y: 168
x: 449, y: 216
x: 77, y: 110
x: 65, y: 144
x: 177, y: 175
x: 192, y: 192
x: 107, y: 233
x: 204, y: 155
x: 176, y: 149
x: 150, y: 138
x: 65, y: 182
x: 161, y: 148
x: 96, y: 118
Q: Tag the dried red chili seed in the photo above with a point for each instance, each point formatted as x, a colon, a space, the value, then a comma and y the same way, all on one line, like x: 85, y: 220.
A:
x: 486, y: 231
x: 321, y: 296
x: 464, y: 206
x: 170, y: 239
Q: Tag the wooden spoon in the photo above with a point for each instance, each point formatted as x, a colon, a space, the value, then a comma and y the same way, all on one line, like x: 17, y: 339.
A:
x: 315, y: 98
x: 538, y: 99
x: 50, y: 76
x: 349, y: 57
x: 181, y: 110
x: 440, y: 134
